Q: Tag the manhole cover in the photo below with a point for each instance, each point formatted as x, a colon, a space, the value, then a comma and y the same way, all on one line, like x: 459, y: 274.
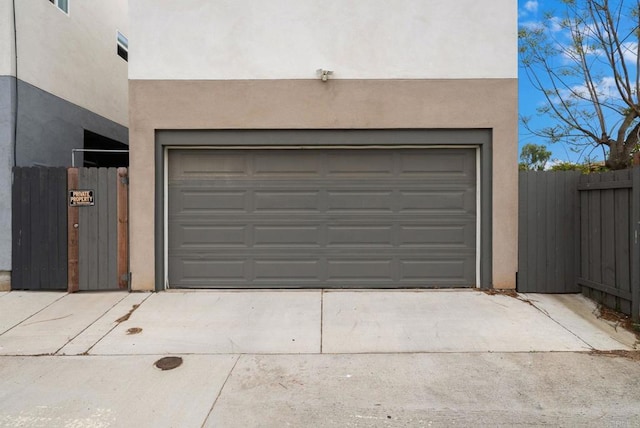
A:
x: 134, y: 330
x: 168, y: 363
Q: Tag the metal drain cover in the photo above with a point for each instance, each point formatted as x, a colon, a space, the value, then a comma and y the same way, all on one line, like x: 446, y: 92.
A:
x: 168, y: 363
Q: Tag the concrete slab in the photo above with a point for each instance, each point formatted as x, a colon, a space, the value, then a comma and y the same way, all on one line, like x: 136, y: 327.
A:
x: 579, y: 315
x: 438, y: 321
x: 109, y: 391
x: 50, y: 329
x: 220, y: 322
x: 95, y: 332
x: 17, y: 306
x: 429, y: 390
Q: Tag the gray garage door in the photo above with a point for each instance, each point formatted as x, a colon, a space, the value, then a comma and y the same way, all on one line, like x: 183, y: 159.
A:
x: 322, y: 218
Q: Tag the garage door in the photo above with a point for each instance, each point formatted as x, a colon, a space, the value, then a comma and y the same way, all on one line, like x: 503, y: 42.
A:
x: 342, y: 218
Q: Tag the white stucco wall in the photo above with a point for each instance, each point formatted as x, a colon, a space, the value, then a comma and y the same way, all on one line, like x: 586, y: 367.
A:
x: 74, y: 56
x: 291, y: 39
x: 7, y: 52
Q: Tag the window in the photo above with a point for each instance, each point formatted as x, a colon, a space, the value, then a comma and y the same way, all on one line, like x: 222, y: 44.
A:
x: 63, y: 5
x: 123, y: 46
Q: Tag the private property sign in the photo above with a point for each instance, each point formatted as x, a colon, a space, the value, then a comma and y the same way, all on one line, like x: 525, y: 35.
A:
x: 81, y: 198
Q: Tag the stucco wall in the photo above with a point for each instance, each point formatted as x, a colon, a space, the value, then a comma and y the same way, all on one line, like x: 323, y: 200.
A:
x: 291, y: 39
x: 74, y: 56
x: 7, y: 117
x: 7, y: 51
x: 49, y: 127
x: 311, y: 104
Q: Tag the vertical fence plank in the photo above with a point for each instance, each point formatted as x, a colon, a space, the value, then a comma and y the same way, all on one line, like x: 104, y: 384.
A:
x: 575, y: 230
x: 607, y: 217
x: 635, y: 248
x: 123, y: 228
x: 102, y: 207
x: 17, y: 232
x: 622, y: 240
x: 551, y: 221
x: 72, y: 236
x: 112, y: 226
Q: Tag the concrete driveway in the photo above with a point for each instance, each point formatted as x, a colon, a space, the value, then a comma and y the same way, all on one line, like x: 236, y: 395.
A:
x: 313, y: 358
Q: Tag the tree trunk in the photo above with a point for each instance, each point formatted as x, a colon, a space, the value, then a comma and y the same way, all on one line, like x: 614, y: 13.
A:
x: 619, y: 156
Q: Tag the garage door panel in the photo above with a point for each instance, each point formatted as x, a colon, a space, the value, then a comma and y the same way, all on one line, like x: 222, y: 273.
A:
x: 362, y: 235
x: 200, y: 236
x: 284, y: 163
x: 460, y: 201
x: 285, y: 200
x: 360, y: 201
x: 351, y: 164
x: 369, y: 269
x: 192, y: 165
x: 337, y: 218
x: 287, y: 236
x: 287, y: 270
x: 204, y: 271
x: 201, y: 201
x: 454, y: 271
x: 439, y: 236
x: 448, y: 163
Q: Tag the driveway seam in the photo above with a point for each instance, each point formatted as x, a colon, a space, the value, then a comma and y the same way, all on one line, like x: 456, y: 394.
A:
x: 88, y: 326
x: 561, y: 325
x: 220, y: 392
x: 321, y: 318
x: 34, y: 314
x: 112, y: 328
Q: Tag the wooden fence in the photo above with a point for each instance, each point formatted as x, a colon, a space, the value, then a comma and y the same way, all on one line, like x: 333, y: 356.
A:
x: 62, y: 241
x: 548, y: 221
x: 39, y: 229
x: 580, y: 233
x: 609, y: 219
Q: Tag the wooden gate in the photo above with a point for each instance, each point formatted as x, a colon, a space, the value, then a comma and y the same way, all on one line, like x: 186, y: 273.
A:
x: 549, y: 228
x: 98, y: 229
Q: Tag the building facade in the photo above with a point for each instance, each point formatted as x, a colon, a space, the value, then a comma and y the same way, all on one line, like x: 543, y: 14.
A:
x: 63, y: 86
x: 323, y: 144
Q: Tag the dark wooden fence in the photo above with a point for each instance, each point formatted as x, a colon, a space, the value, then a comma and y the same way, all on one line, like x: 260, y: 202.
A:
x: 57, y: 246
x: 608, y: 233
x: 580, y: 232
x: 39, y: 229
x: 548, y: 222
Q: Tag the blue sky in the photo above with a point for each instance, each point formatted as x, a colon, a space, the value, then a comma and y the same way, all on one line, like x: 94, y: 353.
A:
x: 530, y: 12
x: 530, y: 98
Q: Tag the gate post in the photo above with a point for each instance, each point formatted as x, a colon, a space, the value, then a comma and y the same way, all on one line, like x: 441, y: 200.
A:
x: 123, y: 228
x: 73, y: 280
x: 635, y: 247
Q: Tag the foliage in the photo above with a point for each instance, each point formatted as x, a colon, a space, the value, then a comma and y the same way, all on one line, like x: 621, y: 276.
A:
x: 534, y: 157
x: 585, y: 168
x: 585, y: 61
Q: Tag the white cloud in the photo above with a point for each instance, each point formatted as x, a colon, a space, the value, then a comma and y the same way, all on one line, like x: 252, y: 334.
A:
x: 630, y: 51
x: 605, y: 88
x: 531, y: 6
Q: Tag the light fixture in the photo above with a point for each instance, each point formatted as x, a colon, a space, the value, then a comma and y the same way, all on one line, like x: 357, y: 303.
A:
x: 324, y: 74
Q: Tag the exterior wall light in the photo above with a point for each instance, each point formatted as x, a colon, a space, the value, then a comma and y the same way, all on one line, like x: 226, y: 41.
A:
x: 324, y: 74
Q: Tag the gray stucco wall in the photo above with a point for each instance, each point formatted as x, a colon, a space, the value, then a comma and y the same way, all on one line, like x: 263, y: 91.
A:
x: 7, y: 119
x: 49, y: 127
